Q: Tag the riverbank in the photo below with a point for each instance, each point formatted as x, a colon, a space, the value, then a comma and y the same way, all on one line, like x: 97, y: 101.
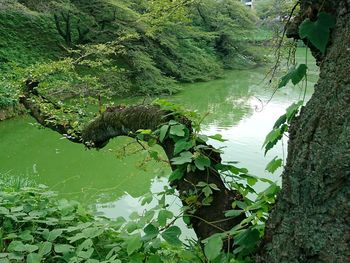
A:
x: 11, y: 112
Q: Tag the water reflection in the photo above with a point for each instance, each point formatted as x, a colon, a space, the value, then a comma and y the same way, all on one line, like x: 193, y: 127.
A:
x: 237, y: 109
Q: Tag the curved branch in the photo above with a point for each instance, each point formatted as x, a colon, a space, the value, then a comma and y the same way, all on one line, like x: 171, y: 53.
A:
x: 118, y: 121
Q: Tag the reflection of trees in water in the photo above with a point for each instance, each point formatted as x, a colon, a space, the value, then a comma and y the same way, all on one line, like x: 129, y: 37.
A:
x: 90, y: 177
x: 227, y: 100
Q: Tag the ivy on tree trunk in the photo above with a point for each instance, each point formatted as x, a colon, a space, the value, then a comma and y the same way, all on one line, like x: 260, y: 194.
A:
x: 310, y: 221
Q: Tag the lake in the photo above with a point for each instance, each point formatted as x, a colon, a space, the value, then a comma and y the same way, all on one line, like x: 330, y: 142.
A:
x: 111, y: 183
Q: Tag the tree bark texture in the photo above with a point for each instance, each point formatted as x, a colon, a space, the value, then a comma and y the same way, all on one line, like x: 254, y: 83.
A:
x: 311, y: 220
x: 125, y: 121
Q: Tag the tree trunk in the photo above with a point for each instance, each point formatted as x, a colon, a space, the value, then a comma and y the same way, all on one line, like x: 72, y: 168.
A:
x: 206, y: 220
x: 311, y: 219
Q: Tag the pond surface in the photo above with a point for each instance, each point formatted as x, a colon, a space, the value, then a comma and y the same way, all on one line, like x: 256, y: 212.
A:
x: 111, y: 184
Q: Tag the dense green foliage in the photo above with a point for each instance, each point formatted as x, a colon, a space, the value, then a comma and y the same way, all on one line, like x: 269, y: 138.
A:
x: 150, y: 51
x: 39, y: 227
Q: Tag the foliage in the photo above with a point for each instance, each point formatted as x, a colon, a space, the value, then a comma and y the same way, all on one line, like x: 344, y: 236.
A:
x: 273, y: 9
x: 317, y: 32
x: 38, y: 227
x: 157, y: 42
x: 191, y: 154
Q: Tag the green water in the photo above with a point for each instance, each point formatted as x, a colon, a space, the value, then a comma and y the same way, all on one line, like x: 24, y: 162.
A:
x: 110, y: 184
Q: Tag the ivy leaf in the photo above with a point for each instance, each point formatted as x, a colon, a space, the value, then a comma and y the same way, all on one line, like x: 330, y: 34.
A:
x: 281, y: 120
x: 318, y: 31
x: 162, y: 132
x: 202, y: 162
x: 185, y: 157
x: 212, y: 248
x: 271, y: 139
x: 177, y: 130
x: 182, y: 145
x: 273, y: 165
x: 293, y: 110
x: 171, y: 235
x: 295, y: 75
x: 133, y: 243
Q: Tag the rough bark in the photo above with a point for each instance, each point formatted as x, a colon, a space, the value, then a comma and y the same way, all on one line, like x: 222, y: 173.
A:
x: 311, y: 220
x: 125, y: 121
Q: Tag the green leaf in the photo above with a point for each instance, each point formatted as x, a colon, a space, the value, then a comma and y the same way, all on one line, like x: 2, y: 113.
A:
x: 248, y: 238
x: 274, y: 165
x: 133, y: 243
x: 163, y: 216
x: 131, y: 226
x: 154, y: 155
x: 207, y: 191
x: 214, y: 187
x: 217, y: 137
x: 26, y: 236
x: 185, y: 157
x: 147, y: 198
x: 177, y: 130
x: 16, y: 246
x: 202, y: 162
x: 212, y: 248
x: 86, y: 254
x: 31, y: 248
x: 251, y: 180
x: 281, y: 120
x: 233, y: 213
x: 4, y: 210
x: 295, y: 75
x: 292, y: 110
x: 318, y: 31
x: 176, y: 175
x: 52, y: 235
x: 171, y: 235
x: 45, y: 248
x: 275, y: 136
x: 34, y: 258
x: 92, y: 232
x: 154, y: 259
x: 63, y: 248
x: 150, y: 232
x: 182, y: 145
x: 162, y: 132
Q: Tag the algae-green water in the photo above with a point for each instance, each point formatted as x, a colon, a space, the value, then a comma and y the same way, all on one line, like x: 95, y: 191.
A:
x: 111, y: 180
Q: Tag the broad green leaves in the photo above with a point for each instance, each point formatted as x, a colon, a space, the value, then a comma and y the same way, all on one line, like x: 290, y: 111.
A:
x: 171, y: 235
x: 202, y: 162
x: 274, y: 165
x: 317, y: 32
x: 281, y: 126
x: 295, y: 75
x: 212, y: 248
x: 133, y: 243
x: 185, y: 157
